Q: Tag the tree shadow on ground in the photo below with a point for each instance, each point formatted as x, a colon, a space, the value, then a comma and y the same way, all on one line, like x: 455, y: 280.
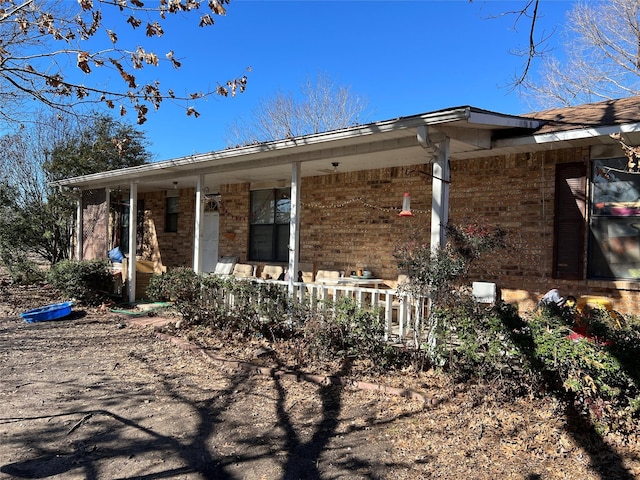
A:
x: 303, y: 457
x: 87, y: 452
x: 104, y: 435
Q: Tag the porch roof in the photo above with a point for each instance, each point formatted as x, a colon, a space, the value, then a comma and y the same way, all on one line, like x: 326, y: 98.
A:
x: 473, y: 132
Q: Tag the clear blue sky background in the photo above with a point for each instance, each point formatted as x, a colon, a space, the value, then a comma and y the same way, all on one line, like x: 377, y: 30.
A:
x: 404, y: 57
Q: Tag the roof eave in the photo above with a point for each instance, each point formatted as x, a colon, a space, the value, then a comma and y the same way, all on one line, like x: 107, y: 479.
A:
x: 305, y: 143
x: 566, y: 135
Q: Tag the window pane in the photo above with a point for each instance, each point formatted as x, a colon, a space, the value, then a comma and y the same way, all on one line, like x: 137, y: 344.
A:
x: 171, y: 221
x: 282, y: 245
x: 615, y: 248
x: 262, y: 206
x: 261, y: 243
x: 269, y: 232
x: 614, y: 191
x: 283, y: 205
x: 172, y: 205
x: 614, y: 240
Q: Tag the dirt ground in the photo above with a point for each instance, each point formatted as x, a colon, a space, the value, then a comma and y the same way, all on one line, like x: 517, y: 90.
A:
x: 94, y: 396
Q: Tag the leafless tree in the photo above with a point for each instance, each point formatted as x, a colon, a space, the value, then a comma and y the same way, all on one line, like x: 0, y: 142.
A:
x: 601, y: 57
x: 25, y: 151
x: 322, y: 105
x: 41, y: 40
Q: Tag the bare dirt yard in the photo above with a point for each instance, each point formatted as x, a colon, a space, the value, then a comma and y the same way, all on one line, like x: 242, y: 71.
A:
x: 94, y: 396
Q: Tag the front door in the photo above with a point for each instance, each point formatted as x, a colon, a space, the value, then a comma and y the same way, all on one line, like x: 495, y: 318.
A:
x: 210, y: 231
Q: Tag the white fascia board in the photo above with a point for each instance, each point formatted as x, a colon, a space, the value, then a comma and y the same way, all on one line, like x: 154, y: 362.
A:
x: 500, y: 120
x: 567, y: 135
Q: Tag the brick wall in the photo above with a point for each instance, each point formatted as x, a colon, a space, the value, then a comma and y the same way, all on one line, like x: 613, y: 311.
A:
x: 348, y: 220
x: 517, y: 193
x: 169, y: 248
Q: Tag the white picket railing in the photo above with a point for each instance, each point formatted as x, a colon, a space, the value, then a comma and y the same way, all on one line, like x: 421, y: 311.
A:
x: 402, y: 314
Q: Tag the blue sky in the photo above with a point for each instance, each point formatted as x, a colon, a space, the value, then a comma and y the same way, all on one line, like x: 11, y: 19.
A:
x: 404, y: 57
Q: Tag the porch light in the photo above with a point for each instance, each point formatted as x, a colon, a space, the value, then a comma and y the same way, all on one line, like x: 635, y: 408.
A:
x: 406, y: 206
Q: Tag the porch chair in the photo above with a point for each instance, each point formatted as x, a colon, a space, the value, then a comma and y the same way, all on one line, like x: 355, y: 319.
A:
x: 271, y: 272
x: 225, y: 265
x: 243, y: 270
x: 307, y: 272
x: 328, y: 277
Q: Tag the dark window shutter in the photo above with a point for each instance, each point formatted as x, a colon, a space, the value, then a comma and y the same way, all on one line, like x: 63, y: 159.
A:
x: 569, y: 221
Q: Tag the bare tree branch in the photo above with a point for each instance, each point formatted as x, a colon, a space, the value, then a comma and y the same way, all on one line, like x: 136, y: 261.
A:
x: 321, y: 106
x: 602, y: 57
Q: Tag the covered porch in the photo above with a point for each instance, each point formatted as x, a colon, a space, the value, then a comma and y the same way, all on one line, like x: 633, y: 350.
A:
x: 345, y: 191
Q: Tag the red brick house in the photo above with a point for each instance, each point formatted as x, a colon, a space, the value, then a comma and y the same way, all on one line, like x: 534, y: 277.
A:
x: 564, y: 189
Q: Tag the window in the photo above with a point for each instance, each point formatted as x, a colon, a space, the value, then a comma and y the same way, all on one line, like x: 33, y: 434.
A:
x: 614, y: 230
x: 171, y: 221
x: 269, y: 225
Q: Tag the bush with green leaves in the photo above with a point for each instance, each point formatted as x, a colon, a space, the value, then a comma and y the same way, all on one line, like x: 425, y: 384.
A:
x: 342, y: 329
x: 20, y: 268
x: 599, y: 374
x: 246, y: 308
x: 226, y: 304
x: 87, y: 281
x: 474, y: 342
x: 438, y: 277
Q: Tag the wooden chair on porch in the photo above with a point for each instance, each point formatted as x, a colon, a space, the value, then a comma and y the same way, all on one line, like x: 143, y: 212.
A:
x: 307, y: 272
x: 225, y: 265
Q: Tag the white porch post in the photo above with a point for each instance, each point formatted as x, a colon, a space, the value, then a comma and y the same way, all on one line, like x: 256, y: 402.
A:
x: 197, y: 236
x: 294, y: 224
x: 133, y: 222
x: 79, y: 228
x: 440, y: 196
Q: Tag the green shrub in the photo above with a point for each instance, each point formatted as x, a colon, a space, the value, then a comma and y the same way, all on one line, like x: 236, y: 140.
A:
x: 177, y: 284
x: 599, y: 373
x: 87, y: 281
x: 20, y: 268
x: 437, y: 276
x: 265, y: 310
x: 474, y: 342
